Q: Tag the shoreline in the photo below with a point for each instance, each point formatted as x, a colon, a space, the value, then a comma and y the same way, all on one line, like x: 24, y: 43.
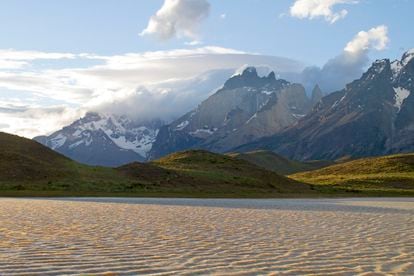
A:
x: 203, y: 195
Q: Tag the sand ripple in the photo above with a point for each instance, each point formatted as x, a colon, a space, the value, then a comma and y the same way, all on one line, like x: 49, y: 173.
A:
x: 346, y: 237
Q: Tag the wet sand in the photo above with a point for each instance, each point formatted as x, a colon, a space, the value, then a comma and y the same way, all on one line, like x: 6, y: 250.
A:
x: 199, y: 237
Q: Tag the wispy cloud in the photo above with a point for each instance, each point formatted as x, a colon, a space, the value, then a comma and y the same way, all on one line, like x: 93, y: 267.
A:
x: 13, y: 59
x: 30, y: 121
x: 193, y: 43
x: 177, y: 18
x: 320, y: 8
x: 161, y: 81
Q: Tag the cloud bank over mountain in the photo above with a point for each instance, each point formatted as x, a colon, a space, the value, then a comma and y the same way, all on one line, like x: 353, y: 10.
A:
x: 148, y: 85
x: 167, y: 83
x: 349, y: 64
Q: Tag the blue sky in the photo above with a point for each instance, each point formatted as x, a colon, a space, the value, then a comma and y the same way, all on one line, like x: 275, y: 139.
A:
x: 60, y: 59
x: 112, y: 27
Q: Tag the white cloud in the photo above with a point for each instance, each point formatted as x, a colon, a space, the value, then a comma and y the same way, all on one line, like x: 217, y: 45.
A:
x: 319, y: 8
x: 375, y: 38
x: 179, y: 18
x: 11, y: 54
x: 223, y: 16
x: 31, y: 121
x: 348, y: 65
x: 12, y: 64
x: 193, y: 43
x: 160, y: 83
x: 13, y: 59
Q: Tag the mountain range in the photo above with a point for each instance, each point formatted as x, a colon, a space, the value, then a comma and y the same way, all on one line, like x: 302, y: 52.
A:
x: 106, y: 140
x: 247, y: 108
x: 373, y: 115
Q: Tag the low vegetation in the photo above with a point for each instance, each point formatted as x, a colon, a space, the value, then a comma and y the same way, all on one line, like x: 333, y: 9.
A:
x: 274, y: 162
x: 393, y: 174
x: 28, y: 168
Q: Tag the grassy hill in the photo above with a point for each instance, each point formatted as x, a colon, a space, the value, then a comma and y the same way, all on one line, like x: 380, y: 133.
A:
x: 274, y: 162
x: 22, y: 159
x: 28, y: 168
x: 393, y: 173
x: 26, y: 165
x: 221, y: 173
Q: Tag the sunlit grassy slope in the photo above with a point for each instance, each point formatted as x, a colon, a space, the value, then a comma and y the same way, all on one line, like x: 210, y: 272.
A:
x: 274, y: 162
x: 28, y: 168
x: 207, y: 168
x: 386, y: 173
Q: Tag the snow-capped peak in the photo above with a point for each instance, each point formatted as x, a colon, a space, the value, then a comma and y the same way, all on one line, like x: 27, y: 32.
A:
x: 398, y: 65
x: 122, y: 131
x: 261, y: 71
x: 407, y: 57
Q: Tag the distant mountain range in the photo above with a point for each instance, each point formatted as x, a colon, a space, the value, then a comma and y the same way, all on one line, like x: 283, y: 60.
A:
x: 106, y: 140
x: 373, y: 115
x: 247, y: 108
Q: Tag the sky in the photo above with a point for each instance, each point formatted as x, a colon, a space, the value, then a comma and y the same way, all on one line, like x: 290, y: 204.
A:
x: 59, y: 59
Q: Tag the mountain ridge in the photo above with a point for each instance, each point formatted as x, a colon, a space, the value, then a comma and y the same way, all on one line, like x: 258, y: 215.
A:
x: 372, y: 116
x: 100, y: 139
x: 246, y: 108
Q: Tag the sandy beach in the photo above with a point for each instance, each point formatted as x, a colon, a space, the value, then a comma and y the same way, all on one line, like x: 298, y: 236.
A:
x: 199, y: 237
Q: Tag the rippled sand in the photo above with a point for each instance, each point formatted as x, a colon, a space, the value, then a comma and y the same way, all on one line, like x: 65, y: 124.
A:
x: 222, y: 237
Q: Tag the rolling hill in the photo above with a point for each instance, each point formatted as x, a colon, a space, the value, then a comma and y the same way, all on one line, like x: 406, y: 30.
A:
x: 279, y: 164
x: 386, y: 173
x: 224, y: 173
x: 31, y: 169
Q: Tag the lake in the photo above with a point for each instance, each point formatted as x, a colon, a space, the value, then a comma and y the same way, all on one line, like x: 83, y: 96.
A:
x: 130, y: 236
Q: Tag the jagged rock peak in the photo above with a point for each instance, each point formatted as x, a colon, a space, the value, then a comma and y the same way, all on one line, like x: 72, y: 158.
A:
x: 250, y: 71
x: 271, y: 76
x: 317, y: 94
x: 407, y: 57
x: 250, y: 78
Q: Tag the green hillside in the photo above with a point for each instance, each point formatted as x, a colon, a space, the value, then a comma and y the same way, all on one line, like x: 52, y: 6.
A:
x: 28, y: 168
x: 224, y: 173
x: 274, y: 162
x: 26, y: 165
x: 387, y: 173
x: 22, y: 159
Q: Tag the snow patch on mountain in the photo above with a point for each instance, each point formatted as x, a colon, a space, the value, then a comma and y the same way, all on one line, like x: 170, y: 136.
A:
x: 396, y: 67
x: 262, y: 71
x: 408, y: 56
x: 125, y: 133
x: 182, y: 125
x: 400, y: 95
x: 58, y: 141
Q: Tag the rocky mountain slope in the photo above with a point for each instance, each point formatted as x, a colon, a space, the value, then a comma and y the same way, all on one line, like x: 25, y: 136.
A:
x: 248, y: 107
x: 106, y: 140
x: 373, y: 115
